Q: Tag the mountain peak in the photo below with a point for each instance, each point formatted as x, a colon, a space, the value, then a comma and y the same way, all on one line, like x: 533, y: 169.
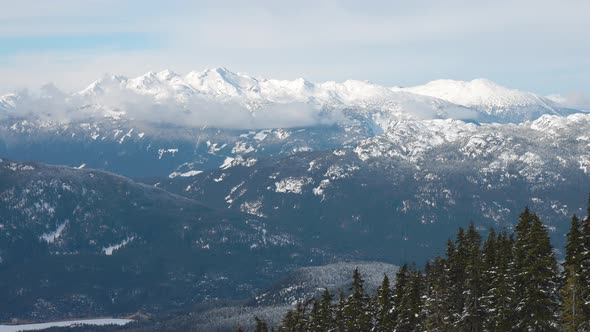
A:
x: 480, y: 92
x: 104, y: 83
x: 166, y: 75
x: 486, y: 100
x: 8, y: 101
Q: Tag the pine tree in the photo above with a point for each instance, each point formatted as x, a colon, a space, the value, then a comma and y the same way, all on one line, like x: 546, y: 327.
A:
x: 489, y: 276
x: 261, y: 325
x: 401, y: 279
x: 522, y: 246
x: 538, y: 302
x: 357, y: 314
x: 512, y: 283
x: 289, y: 322
x: 436, y: 312
x: 300, y: 317
x: 314, y: 322
x: 384, y: 307
x: 500, y: 295
x: 410, y: 306
x: 522, y: 243
x: 472, y: 314
x: 340, y: 316
x: 326, y: 311
x: 457, y: 255
x: 571, y: 291
x: 584, y: 275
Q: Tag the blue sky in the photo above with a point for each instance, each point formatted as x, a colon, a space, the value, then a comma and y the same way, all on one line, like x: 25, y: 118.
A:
x: 115, y: 42
x: 541, y: 46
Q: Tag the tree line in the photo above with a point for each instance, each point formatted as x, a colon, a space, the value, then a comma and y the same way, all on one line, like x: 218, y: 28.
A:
x: 507, y: 282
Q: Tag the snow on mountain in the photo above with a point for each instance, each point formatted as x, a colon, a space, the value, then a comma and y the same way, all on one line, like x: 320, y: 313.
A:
x: 309, y: 282
x: 543, y: 152
x: 8, y: 102
x: 486, y: 95
x: 478, y: 92
x: 200, y: 94
x: 222, y: 82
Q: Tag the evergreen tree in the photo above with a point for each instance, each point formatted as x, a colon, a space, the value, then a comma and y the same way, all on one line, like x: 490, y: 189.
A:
x: 314, y: 322
x: 261, y: 325
x: 511, y: 283
x: 500, y: 295
x: 357, y: 314
x: 401, y: 279
x: 436, y: 312
x: 584, y: 273
x: 472, y: 314
x: 326, y: 311
x: 489, y: 274
x: 489, y: 256
x: 522, y: 246
x: 457, y: 256
x: 300, y: 317
x: 571, y: 291
x: 289, y: 322
x: 410, y: 306
x: 384, y: 307
x: 340, y: 316
x: 538, y: 302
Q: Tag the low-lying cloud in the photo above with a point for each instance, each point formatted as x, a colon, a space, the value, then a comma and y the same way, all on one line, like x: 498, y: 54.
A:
x: 575, y: 100
x: 52, y: 105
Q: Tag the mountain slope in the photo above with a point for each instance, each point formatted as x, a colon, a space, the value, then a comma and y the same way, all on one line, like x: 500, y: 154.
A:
x: 406, y: 190
x: 85, y: 242
x: 490, y: 98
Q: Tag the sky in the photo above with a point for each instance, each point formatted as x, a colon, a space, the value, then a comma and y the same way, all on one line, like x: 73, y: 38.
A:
x: 540, y: 46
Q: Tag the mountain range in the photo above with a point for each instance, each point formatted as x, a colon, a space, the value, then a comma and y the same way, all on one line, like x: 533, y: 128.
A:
x: 224, y: 182
x: 219, y: 88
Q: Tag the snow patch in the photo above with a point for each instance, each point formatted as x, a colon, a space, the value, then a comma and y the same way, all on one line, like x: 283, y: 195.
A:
x: 292, y: 185
x: 110, y: 249
x: 71, y: 323
x: 161, y: 152
x: 53, y: 236
x: 185, y: 174
x: 253, y: 208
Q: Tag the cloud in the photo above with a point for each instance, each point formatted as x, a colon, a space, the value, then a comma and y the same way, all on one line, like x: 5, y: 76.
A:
x: 534, y: 45
x: 230, y: 115
x: 53, y: 105
x: 575, y: 99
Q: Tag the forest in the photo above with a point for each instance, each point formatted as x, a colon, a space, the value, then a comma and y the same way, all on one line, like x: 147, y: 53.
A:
x: 509, y: 281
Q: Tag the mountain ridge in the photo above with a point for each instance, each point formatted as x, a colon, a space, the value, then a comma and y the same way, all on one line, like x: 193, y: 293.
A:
x: 488, y: 101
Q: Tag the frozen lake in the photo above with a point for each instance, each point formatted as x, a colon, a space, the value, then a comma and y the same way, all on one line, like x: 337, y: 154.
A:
x: 40, y: 326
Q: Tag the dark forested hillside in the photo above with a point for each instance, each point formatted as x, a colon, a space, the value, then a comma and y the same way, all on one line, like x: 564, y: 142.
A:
x: 81, y: 242
x: 505, y: 282
x: 499, y: 281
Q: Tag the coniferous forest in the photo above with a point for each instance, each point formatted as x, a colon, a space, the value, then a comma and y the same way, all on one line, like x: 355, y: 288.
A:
x: 507, y: 281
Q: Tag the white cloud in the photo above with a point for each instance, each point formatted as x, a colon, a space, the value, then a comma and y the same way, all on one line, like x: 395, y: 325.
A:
x: 518, y: 43
x: 575, y: 100
x: 51, y: 104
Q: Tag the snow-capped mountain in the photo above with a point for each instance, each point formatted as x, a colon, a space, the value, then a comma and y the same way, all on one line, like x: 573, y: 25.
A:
x: 215, y: 89
x: 219, y: 87
x: 492, y: 99
x: 8, y: 102
x: 480, y: 93
x: 224, y: 84
x: 164, y: 123
x: 348, y: 170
